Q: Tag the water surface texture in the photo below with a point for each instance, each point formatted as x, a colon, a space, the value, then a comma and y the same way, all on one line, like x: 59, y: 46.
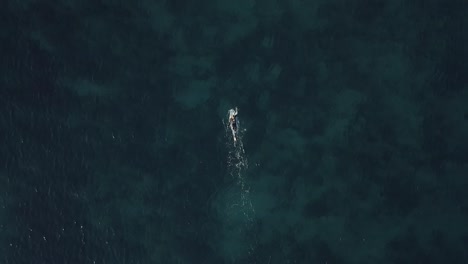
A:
x: 115, y: 144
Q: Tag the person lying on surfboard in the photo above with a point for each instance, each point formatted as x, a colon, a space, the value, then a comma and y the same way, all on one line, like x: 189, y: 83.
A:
x: 233, y: 123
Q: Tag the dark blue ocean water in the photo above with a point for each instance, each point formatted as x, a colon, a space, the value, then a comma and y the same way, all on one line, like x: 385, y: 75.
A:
x: 115, y: 146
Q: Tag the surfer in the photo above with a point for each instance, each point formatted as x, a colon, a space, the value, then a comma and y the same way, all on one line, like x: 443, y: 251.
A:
x: 233, y: 123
